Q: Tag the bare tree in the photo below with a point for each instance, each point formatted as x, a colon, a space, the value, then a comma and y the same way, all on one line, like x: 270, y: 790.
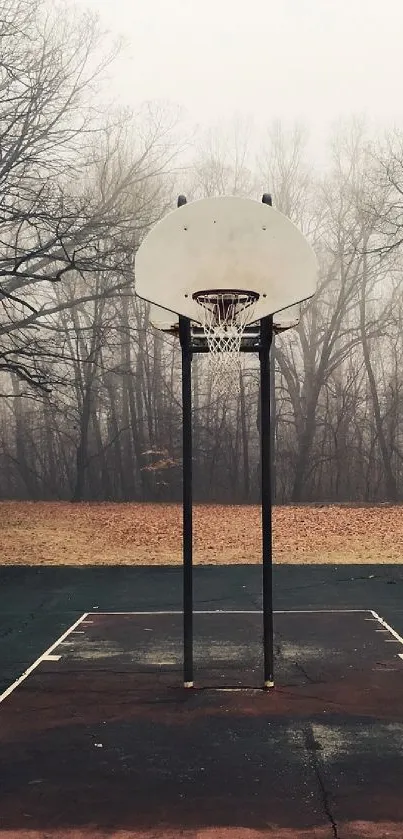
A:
x: 68, y: 182
x: 223, y: 162
x: 111, y: 428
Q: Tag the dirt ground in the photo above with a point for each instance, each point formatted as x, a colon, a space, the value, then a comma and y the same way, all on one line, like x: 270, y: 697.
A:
x: 45, y: 533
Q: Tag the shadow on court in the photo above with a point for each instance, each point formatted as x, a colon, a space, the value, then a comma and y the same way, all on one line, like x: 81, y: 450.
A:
x: 102, y: 740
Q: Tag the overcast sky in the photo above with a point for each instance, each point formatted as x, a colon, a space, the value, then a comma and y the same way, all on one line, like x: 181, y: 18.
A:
x: 309, y: 60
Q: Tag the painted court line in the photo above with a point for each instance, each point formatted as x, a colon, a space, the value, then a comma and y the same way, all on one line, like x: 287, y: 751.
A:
x: 49, y: 656
x: 387, y: 627
x: 43, y: 657
x: 246, y: 612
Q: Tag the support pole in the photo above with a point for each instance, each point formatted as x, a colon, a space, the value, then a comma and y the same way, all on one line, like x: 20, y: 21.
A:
x: 185, y: 339
x: 273, y: 419
x: 266, y: 336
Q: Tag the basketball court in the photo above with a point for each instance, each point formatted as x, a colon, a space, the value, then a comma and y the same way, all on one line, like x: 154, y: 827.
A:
x: 158, y: 713
x: 100, y: 738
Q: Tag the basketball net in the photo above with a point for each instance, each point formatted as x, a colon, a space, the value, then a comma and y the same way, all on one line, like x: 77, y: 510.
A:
x: 224, y: 316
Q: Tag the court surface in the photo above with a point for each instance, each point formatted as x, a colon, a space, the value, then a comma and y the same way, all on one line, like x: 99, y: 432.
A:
x: 99, y: 739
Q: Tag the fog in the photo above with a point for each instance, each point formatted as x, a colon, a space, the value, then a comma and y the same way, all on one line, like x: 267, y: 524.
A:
x: 297, y: 60
x: 90, y: 397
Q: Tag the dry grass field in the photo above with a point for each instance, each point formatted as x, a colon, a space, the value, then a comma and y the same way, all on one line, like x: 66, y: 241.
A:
x: 45, y: 533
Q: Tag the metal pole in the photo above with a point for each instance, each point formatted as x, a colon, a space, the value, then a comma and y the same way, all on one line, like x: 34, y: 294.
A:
x: 185, y: 339
x: 273, y: 419
x: 266, y: 336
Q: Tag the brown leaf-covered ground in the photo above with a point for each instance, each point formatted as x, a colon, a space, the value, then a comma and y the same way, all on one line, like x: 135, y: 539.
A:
x: 47, y: 533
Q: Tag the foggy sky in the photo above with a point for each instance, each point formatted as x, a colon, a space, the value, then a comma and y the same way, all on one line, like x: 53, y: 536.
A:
x: 309, y: 60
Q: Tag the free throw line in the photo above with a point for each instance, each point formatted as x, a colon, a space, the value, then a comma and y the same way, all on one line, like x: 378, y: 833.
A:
x: 243, y: 612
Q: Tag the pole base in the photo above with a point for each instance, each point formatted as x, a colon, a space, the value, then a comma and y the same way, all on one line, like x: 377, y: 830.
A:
x: 188, y: 684
x: 268, y: 684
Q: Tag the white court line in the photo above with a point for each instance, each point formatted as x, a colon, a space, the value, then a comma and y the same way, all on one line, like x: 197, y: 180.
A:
x: 46, y: 656
x: 42, y: 657
x: 245, y: 612
x: 388, y: 628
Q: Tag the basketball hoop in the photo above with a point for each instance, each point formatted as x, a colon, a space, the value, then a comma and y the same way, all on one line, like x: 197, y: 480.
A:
x: 224, y: 316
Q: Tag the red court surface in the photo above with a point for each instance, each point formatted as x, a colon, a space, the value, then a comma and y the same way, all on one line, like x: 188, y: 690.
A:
x: 101, y: 740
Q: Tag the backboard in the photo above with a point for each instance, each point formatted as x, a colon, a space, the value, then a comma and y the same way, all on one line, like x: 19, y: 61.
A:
x: 225, y: 243
x: 168, y: 322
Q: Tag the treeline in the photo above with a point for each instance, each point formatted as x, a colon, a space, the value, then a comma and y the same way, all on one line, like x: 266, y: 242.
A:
x: 90, y: 405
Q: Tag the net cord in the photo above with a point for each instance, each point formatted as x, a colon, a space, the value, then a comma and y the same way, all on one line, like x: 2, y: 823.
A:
x: 224, y: 316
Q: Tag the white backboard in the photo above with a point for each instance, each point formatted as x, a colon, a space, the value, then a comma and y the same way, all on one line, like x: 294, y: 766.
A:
x: 163, y: 319
x: 225, y: 243
x: 287, y: 318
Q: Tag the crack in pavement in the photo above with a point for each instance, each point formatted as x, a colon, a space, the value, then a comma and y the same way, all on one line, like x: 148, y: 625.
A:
x: 314, y: 748
x: 279, y: 654
x: 312, y: 680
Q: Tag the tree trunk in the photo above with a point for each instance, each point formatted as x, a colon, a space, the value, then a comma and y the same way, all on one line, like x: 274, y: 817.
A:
x: 390, y: 481
x: 82, y: 448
